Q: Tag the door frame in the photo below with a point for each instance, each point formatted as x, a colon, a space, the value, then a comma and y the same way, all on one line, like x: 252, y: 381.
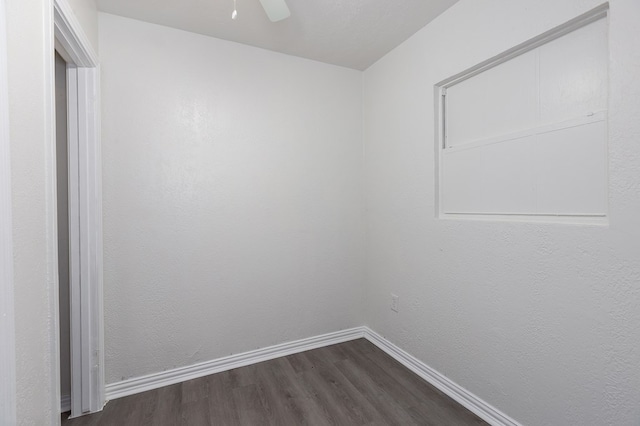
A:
x: 85, y: 216
x: 7, y: 320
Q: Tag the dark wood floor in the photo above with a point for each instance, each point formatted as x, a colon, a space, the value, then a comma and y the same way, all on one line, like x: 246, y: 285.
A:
x: 352, y: 383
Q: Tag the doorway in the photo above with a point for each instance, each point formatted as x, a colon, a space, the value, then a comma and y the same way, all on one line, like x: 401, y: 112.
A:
x: 78, y: 356
x: 62, y: 185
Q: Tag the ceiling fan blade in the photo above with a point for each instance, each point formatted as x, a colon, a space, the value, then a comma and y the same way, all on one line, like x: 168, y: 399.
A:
x: 277, y: 10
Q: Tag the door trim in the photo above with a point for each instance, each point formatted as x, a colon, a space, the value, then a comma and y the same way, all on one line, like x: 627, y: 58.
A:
x: 7, y: 320
x: 85, y: 215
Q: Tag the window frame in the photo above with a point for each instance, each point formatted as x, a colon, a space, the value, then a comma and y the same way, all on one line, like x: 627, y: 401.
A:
x: 440, y: 104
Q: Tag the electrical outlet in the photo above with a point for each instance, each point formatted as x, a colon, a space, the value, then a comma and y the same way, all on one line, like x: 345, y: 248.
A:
x: 395, y: 300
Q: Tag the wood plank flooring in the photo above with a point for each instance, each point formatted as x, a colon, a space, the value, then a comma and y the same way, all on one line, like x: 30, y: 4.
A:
x: 352, y: 383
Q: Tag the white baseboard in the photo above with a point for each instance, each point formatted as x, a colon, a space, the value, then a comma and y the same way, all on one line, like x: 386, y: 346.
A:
x: 65, y: 403
x: 471, y: 402
x: 468, y: 400
x: 181, y: 374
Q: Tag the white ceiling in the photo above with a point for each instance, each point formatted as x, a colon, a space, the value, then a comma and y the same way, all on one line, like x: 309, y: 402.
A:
x: 350, y: 33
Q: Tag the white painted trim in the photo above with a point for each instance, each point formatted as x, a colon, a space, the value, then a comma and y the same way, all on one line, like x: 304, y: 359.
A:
x: 51, y: 214
x: 85, y: 241
x: 74, y: 236
x: 568, y: 219
x: 7, y: 320
x: 97, y: 271
x: 443, y: 147
x: 181, y: 374
x: 583, y: 20
x: 87, y: 391
x: 71, y: 38
x: 595, y: 117
x: 456, y: 392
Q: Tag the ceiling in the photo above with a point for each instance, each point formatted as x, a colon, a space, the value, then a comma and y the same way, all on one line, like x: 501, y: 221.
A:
x: 350, y: 33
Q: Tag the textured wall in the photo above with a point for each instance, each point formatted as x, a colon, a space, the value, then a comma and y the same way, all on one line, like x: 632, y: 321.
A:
x: 86, y: 11
x: 29, y: 67
x: 540, y: 320
x: 232, y: 197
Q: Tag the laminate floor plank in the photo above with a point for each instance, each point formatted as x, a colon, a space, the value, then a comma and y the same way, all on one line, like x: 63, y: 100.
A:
x: 315, y: 389
x: 357, y: 406
x: 135, y: 410
x: 287, y: 401
x: 91, y: 420
x: 436, y: 408
x: 434, y: 413
x: 169, y: 408
x: 394, y: 389
x: 348, y: 384
x: 314, y: 413
x: 403, y: 374
x: 299, y: 363
x: 195, y: 402
x: 390, y: 412
x: 334, y: 399
x: 412, y: 382
x: 249, y: 400
x: 222, y: 408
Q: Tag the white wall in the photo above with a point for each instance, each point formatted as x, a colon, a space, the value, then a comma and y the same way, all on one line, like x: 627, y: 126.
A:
x: 7, y: 317
x: 86, y: 11
x: 540, y: 320
x: 232, y: 197
x: 30, y: 70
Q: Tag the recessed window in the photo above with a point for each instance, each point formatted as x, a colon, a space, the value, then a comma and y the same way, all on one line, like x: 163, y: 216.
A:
x: 524, y: 134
